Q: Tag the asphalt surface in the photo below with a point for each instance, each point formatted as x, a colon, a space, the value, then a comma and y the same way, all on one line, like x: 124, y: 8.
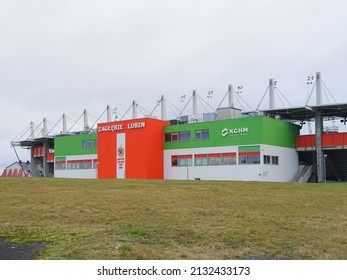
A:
x: 13, y: 251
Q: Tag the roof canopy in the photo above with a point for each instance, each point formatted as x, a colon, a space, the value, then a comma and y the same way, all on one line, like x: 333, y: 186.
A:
x: 309, y: 112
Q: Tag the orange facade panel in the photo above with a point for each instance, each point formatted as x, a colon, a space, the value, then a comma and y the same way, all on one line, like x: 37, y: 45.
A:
x: 131, y: 149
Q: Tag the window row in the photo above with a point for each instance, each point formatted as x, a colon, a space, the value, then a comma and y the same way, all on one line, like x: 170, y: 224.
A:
x: 204, y: 159
x: 222, y: 159
x: 184, y: 136
x: 75, y: 164
x: 271, y: 160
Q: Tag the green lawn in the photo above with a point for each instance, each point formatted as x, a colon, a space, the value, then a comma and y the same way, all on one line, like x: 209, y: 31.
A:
x: 137, y: 219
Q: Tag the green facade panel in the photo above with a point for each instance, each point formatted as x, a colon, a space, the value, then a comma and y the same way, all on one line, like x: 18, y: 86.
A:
x: 237, y: 132
x: 244, y: 149
x: 73, y: 145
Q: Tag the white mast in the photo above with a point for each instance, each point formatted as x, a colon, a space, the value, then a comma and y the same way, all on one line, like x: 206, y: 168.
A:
x: 86, y: 125
x: 230, y: 96
x: 32, y: 130
x: 108, y: 110
x: 271, y: 94
x: 318, y: 89
x: 163, y: 107
x: 64, y: 124
x: 195, y: 103
x: 44, y: 129
x: 134, y: 109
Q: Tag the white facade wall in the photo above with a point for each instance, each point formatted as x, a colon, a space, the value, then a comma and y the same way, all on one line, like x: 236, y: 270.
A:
x: 285, y: 171
x: 287, y: 168
x: 79, y: 173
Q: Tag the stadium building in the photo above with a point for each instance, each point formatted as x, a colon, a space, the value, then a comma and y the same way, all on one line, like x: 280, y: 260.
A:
x: 223, y: 145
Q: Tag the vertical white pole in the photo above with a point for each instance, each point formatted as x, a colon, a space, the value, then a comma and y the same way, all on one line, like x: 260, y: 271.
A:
x: 163, y: 107
x: 271, y: 94
x: 44, y: 130
x: 195, y: 103
x: 32, y: 130
x: 85, y: 113
x: 318, y: 89
x: 134, y: 109
x: 230, y: 96
x: 64, y: 124
x: 108, y: 109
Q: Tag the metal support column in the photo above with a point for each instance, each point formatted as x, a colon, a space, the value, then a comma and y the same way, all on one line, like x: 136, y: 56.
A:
x: 319, y: 151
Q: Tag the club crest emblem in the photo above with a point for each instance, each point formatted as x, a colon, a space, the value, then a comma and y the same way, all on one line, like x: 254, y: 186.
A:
x: 121, y: 152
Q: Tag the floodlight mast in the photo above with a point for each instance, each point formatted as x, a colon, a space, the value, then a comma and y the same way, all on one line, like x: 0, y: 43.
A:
x: 108, y: 110
x: 64, y: 124
x: 85, y: 115
x: 32, y: 130
x: 195, y: 103
x: 134, y: 109
x: 230, y: 96
x: 271, y: 94
x: 44, y: 129
x: 318, y: 89
x: 163, y: 108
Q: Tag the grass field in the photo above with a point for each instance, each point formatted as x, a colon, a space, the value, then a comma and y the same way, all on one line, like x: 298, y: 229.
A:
x: 136, y: 219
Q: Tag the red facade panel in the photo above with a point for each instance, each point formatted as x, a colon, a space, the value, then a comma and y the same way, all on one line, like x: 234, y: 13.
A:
x: 329, y: 140
x: 50, y: 157
x: 142, y: 152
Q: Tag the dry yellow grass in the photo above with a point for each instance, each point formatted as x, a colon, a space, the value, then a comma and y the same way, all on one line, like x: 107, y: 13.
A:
x: 137, y: 219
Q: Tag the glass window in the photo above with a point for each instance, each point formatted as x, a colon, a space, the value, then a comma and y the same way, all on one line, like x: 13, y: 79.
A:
x: 167, y: 137
x: 202, y: 134
x: 242, y: 160
x: 95, y: 164
x: 60, y: 165
x: 214, y: 159
x: 95, y: 143
x: 86, y: 144
x: 198, y: 135
x: 274, y: 160
x: 174, y: 160
x: 185, y: 136
x: 205, y: 134
x: 204, y: 161
x: 182, y: 160
x: 267, y: 160
x: 228, y: 158
x: 249, y: 155
x: 87, y: 164
x: 175, y: 137
x: 253, y: 159
x: 198, y: 161
x: 186, y: 161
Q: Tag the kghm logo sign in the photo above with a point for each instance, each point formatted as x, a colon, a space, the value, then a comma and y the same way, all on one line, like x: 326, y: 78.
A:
x: 234, y: 131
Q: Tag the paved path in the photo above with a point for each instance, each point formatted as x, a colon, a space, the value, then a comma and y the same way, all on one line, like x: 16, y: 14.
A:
x: 13, y: 251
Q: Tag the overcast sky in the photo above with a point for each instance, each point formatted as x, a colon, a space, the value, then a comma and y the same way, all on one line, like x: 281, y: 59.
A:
x: 64, y: 56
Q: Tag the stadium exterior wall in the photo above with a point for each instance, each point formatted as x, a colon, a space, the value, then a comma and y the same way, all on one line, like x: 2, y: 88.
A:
x: 284, y: 171
x: 75, y: 156
x: 252, y: 149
